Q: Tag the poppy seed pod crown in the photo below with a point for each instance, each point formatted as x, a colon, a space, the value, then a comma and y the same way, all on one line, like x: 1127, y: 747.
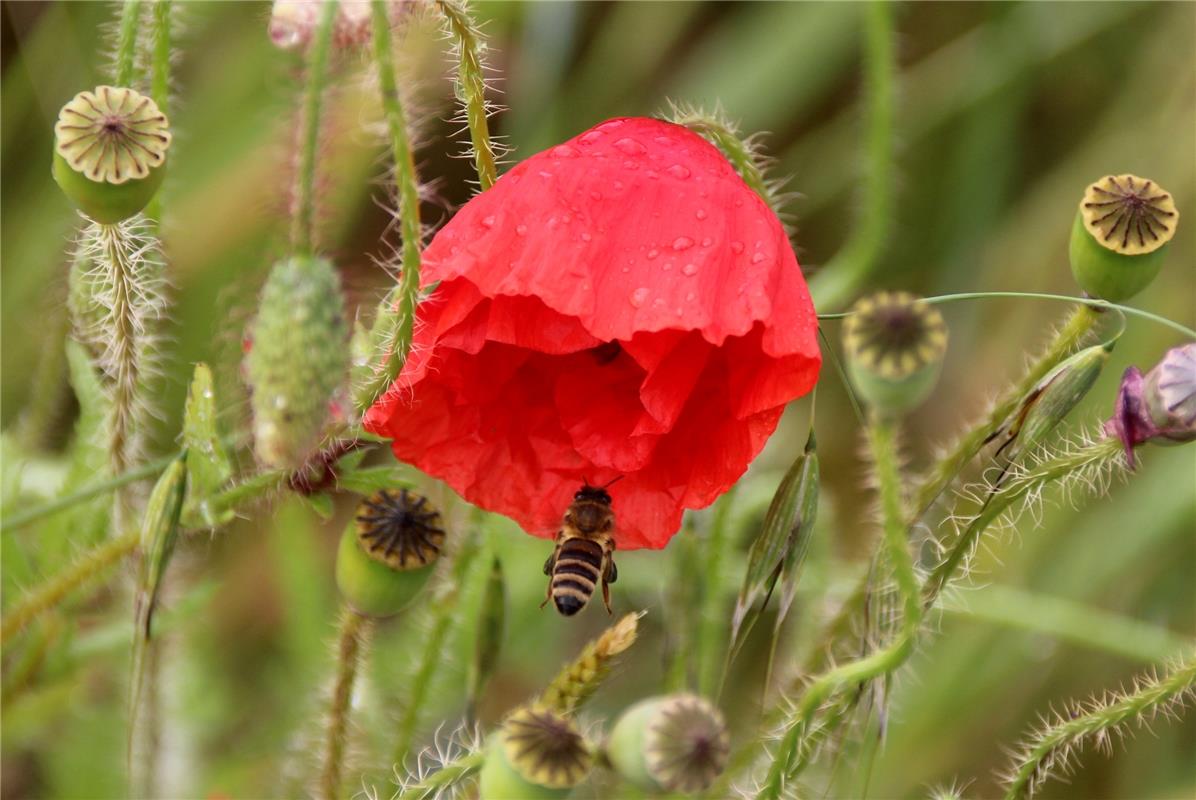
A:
x: 619, y: 305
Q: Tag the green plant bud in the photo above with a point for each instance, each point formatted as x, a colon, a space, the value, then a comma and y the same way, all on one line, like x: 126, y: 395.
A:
x: 297, y: 359
x: 894, y: 343
x: 1120, y: 235
x: 110, y: 152
x: 675, y: 743
x: 385, y: 554
x: 537, y: 754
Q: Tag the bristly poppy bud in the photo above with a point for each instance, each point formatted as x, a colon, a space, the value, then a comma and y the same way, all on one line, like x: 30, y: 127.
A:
x: 1160, y: 407
x: 386, y: 553
x: 298, y: 359
x: 537, y: 754
x: 110, y: 152
x: 676, y: 743
x: 1120, y: 235
x: 622, y: 306
x: 894, y: 343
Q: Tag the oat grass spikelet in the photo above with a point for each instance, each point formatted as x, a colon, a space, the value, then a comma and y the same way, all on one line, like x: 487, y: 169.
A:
x: 581, y: 678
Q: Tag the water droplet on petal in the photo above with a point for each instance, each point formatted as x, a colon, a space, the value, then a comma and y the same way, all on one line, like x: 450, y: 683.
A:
x: 689, y: 298
x: 639, y: 296
x: 488, y: 222
x: 682, y: 243
x: 595, y: 195
x: 585, y: 236
x: 653, y: 253
x: 679, y: 311
x: 667, y: 266
x: 589, y: 137
x: 630, y: 147
x: 610, y: 126
x: 545, y: 174
x: 707, y: 241
x: 679, y: 171
x: 521, y: 229
x: 653, y: 174
x: 690, y: 269
x: 662, y: 140
x: 562, y: 151
x: 737, y: 247
x: 739, y: 203
x: 758, y: 257
x: 618, y: 185
x: 700, y: 213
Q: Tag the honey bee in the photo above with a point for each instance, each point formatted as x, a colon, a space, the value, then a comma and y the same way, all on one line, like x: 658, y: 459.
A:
x: 584, y: 553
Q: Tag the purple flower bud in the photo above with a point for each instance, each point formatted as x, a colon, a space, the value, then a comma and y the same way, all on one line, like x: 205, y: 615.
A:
x: 1160, y: 407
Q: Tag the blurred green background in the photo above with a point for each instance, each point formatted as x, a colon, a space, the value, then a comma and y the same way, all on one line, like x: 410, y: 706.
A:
x: 1004, y: 113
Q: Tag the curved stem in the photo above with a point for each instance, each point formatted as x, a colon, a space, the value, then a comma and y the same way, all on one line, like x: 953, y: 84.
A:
x: 303, y: 218
x: 451, y: 773
x: 847, y: 271
x: 126, y: 44
x: 354, y: 633
x: 471, y: 86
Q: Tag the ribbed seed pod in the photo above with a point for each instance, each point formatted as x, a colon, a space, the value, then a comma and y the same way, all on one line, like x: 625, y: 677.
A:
x: 1120, y: 235
x: 894, y: 343
x: 110, y: 149
x: 386, y: 553
x: 537, y: 754
x: 297, y: 360
x: 675, y: 743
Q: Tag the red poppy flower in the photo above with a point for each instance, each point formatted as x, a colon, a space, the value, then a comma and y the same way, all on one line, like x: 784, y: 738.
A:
x: 619, y: 305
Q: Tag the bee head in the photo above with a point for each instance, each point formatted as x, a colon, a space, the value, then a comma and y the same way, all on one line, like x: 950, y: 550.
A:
x: 595, y: 493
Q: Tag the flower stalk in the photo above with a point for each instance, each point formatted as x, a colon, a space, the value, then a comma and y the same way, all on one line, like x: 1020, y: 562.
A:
x: 469, y: 46
x: 352, y: 640
x: 126, y: 43
x: 303, y: 212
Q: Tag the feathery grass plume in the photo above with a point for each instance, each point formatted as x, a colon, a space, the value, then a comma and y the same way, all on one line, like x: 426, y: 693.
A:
x: 117, y: 304
x: 746, y: 154
x: 469, y: 52
x: 579, y: 679
x: 1052, y: 751
x: 352, y: 641
x: 848, y: 270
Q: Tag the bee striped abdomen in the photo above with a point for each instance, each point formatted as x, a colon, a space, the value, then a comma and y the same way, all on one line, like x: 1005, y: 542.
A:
x: 576, y: 572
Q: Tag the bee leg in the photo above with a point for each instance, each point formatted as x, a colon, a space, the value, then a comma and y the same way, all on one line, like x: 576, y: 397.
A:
x: 606, y: 596
x: 547, y: 595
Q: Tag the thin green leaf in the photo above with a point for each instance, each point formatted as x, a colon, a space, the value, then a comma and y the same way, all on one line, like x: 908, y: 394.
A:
x: 320, y: 503
x: 367, y: 480
x: 208, y: 464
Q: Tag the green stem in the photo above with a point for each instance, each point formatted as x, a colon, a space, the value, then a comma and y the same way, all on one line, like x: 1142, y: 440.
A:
x: 711, y: 642
x: 788, y: 759
x: 53, y: 592
x: 398, y: 332
x: 1100, y: 451
x: 126, y: 43
x: 1049, y: 750
x: 354, y: 636
x: 844, y: 274
x: 160, y: 80
x: 448, y: 775
x: 303, y: 221
x: 724, y: 135
x: 471, y: 86
x: 250, y: 489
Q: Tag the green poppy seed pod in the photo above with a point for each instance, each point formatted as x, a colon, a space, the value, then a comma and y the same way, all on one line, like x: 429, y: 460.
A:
x: 386, y: 552
x: 537, y: 754
x: 297, y: 360
x: 1120, y: 235
x: 674, y: 743
x: 894, y: 343
x: 110, y: 152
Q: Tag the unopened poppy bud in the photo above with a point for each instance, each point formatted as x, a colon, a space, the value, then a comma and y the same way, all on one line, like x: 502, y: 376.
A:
x: 537, y: 754
x: 386, y: 553
x: 895, y: 343
x: 298, y: 360
x: 110, y: 152
x: 675, y: 743
x: 1160, y: 407
x: 1120, y: 235
x: 293, y: 22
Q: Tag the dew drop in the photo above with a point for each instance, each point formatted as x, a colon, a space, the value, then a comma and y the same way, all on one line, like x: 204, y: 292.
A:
x: 521, y: 229
x: 562, y: 151
x: 630, y: 147
x: 700, y: 213
x: 639, y: 296
x: 758, y: 257
x: 662, y: 140
x: 690, y: 269
x: 653, y: 253
x: 610, y: 126
x: 737, y: 247
x: 618, y: 186
x: 488, y: 222
x: 595, y: 195
x: 668, y: 265
x: 585, y: 237
x: 682, y: 243
x: 545, y: 174
x: 706, y: 242
x: 589, y: 137
x: 626, y: 269
x: 739, y: 203
x: 679, y: 171
x: 653, y: 174
x: 689, y: 298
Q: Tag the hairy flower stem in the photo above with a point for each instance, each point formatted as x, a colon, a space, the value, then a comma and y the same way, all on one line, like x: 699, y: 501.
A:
x: 1049, y: 749
x: 471, y: 86
x: 882, y: 441
x: 303, y: 218
x: 50, y: 594
x: 449, y: 775
x: 723, y: 134
x: 126, y: 44
x: 397, y: 324
x: 160, y: 79
x: 1098, y: 452
x: 843, y: 275
x: 353, y: 639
